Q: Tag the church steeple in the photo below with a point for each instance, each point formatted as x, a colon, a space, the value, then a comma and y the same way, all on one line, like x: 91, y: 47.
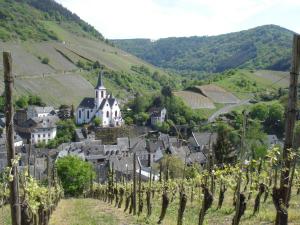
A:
x: 100, y: 84
x: 100, y: 90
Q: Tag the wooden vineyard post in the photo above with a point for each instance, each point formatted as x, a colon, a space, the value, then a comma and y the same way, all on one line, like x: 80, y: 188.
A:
x: 140, y: 190
x: 240, y: 206
x: 48, y: 172
x: 281, y: 195
x: 29, y: 156
x: 134, y: 185
x: 14, y: 184
x: 34, y: 165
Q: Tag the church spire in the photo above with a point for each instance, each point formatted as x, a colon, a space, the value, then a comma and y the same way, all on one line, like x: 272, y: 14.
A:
x: 100, y: 80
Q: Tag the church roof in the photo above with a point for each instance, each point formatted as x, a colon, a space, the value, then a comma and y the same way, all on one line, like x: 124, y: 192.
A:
x: 87, y: 103
x: 111, y: 101
x: 100, y: 81
x: 102, y: 104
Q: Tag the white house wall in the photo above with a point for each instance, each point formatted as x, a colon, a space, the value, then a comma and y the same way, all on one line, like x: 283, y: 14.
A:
x: 43, y: 135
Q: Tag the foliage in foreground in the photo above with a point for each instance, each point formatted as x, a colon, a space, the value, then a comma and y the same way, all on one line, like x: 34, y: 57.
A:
x: 37, y: 200
x: 213, y: 184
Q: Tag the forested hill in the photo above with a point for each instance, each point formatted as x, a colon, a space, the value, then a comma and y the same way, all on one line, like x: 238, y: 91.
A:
x: 264, y: 47
x: 24, y: 20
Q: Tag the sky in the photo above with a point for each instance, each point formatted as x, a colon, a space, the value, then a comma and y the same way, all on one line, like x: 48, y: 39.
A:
x: 154, y: 19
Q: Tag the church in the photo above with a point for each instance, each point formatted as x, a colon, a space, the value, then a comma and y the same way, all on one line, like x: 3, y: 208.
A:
x: 104, y: 106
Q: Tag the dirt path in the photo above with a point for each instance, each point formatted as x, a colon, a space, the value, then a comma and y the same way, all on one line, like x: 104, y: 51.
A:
x: 88, y: 212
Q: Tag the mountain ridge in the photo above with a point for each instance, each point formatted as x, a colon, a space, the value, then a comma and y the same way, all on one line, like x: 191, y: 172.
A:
x: 263, y: 47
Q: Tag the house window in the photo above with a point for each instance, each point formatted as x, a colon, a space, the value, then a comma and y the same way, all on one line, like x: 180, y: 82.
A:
x: 49, y: 135
x: 39, y: 136
x: 88, y: 114
x: 116, y: 113
x: 79, y: 114
x: 101, y: 94
x: 107, y: 114
x: 44, y: 135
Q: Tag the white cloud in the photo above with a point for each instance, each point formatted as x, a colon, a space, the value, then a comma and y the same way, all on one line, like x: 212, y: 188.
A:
x: 163, y: 18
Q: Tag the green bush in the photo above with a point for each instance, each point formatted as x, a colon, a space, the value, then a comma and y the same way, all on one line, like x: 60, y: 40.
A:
x: 45, y: 60
x: 75, y: 174
x: 97, y: 121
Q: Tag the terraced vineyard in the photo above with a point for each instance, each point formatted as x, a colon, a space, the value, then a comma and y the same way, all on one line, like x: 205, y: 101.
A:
x: 195, y: 100
x: 61, y: 75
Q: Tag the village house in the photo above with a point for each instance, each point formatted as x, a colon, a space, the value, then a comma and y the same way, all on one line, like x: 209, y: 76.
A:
x: 199, y: 142
x: 37, y: 111
x: 39, y: 129
x: 157, y: 115
x: 104, y: 106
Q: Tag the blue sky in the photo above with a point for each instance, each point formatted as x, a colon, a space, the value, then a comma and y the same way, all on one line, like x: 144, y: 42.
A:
x: 176, y: 18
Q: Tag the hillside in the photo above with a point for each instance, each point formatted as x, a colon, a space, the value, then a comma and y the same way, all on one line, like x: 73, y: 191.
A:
x: 55, y: 52
x: 234, y: 88
x: 23, y: 20
x: 264, y: 47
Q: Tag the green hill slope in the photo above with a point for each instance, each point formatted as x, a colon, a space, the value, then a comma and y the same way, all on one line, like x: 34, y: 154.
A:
x: 265, y: 47
x: 55, y: 52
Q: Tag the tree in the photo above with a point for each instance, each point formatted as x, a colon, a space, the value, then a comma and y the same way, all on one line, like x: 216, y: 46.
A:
x: 140, y: 103
x: 65, y: 133
x: 224, y: 151
x: 22, y: 102
x: 66, y: 129
x: 166, y: 91
x: 163, y: 127
x: 81, y: 64
x: 256, y: 139
x: 259, y: 111
x: 141, y: 118
x: 35, y: 100
x: 128, y: 120
x: 64, y: 112
x: 75, y: 174
x: 97, y: 121
x: 45, y: 60
x: 275, y: 121
x: 97, y: 65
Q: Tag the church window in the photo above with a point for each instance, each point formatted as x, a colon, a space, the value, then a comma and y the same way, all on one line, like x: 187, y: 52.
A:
x: 101, y: 94
x: 88, y: 114
x: 96, y: 94
x: 116, y: 113
x: 107, y: 114
x: 79, y: 114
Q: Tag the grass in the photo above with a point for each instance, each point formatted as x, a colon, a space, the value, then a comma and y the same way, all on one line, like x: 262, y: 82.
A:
x: 208, y: 112
x: 5, y: 218
x: 87, y: 212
